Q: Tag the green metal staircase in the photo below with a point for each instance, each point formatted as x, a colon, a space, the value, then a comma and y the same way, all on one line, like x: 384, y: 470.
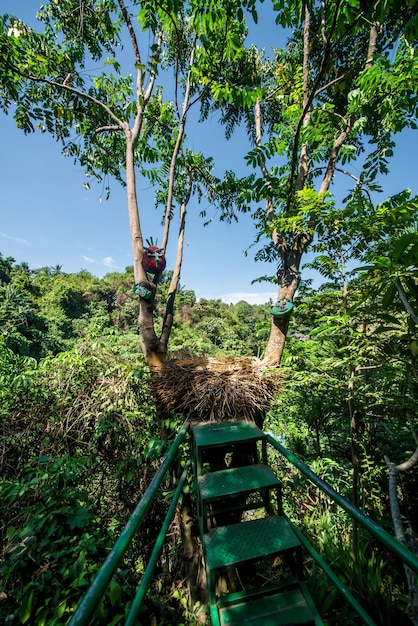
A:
x: 236, y: 483
x: 243, y: 532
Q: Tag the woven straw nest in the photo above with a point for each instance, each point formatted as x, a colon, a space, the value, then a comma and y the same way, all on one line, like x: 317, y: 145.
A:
x: 215, y: 389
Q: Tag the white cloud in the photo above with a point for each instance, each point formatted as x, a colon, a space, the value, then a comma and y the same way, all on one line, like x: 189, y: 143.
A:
x: 252, y: 298
x: 15, y: 239
x: 107, y: 261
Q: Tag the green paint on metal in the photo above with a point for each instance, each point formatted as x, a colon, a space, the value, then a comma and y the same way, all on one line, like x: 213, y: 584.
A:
x: 377, y: 531
x: 93, y: 597
x: 348, y: 597
x: 158, y: 546
x: 287, y: 605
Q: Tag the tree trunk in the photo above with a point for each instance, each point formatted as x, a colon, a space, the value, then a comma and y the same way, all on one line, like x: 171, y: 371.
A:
x: 194, y: 571
x: 290, y: 277
x: 291, y: 256
x: 153, y: 349
x: 280, y: 324
x: 300, y: 159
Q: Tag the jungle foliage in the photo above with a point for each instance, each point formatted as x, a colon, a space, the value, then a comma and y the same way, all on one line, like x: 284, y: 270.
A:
x: 81, y: 438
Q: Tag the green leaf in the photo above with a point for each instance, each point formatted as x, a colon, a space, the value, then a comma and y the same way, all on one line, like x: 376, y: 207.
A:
x: 402, y: 244
x: 78, y: 519
x: 115, y: 592
x: 60, y: 609
x: 391, y: 319
x: 26, y: 608
x: 389, y: 296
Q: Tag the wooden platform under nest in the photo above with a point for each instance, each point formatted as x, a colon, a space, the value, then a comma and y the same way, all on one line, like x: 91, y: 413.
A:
x: 215, y: 389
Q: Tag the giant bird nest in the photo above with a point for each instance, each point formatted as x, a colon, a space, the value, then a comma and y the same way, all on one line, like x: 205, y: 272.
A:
x: 215, y: 389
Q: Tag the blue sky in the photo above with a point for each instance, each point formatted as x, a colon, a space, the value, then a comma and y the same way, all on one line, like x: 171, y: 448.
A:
x: 48, y: 218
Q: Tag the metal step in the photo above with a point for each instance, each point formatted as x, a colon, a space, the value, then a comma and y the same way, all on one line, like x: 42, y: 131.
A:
x: 243, y: 549
x: 228, y: 490
x: 250, y: 541
x: 211, y: 441
x: 286, y: 607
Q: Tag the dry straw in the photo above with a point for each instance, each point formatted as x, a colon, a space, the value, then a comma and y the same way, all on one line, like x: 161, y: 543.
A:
x: 215, y: 389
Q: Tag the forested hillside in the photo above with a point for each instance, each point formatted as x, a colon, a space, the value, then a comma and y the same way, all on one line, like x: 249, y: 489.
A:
x: 45, y: 311
x: 81, y: 438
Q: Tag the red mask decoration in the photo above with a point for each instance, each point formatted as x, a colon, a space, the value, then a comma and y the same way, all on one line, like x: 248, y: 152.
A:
x: 153, y: 259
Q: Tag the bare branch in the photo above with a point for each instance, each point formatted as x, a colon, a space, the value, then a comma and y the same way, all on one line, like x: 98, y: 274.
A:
x: 406, y: 465
x: 104, y: 129
x: 401, y: 534
x: 169, y: 312
x: 278, y: 241
x: 405, y: 301
x: 132, y: 33
x: 331, y: 83
x: 308, y: 104
x: 358, y: 181
x: 329, y: 172
x: 176, y: 150
x: 323, y: 29
x: 372, y: 44
x: 141, y: 103
x: 303, y: 158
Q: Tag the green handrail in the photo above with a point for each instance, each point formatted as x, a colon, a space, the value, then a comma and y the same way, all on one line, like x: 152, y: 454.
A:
x: 348, y: 597
x: 96, y: 591
x: 156, y: 551
x: 377, y: 531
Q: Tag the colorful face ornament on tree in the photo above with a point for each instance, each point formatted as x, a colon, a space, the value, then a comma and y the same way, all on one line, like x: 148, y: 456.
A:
x: 153, y: 259
x: 282, y: 307
x: 143, y: 291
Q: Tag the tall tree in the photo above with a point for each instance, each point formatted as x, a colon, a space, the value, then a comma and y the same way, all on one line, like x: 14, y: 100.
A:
x: 337, y: 95
x: 117, y: 124
x: 341, y: 90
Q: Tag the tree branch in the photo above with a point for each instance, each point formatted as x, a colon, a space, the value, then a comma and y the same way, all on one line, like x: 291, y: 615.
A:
x: 143, y: 101
x: 398, y: 525
x: 278, y: 241
x: 132, y: 34
x: 308, y: 104
x: 331, y: 83
x: 82, y: 94
x: 104, y: 129
x: 329, y: 172
x: 169, y: 312
x: 303, y: 158
x: 176, y: 150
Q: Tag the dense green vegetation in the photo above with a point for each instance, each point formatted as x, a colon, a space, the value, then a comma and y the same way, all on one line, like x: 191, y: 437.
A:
x: 81, y: 438
x: 45, y: 311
